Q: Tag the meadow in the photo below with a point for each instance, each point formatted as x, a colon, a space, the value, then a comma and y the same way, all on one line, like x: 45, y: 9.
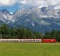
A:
x: 29, y: 49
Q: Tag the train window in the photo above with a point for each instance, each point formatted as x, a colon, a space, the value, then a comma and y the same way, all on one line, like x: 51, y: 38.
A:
x: 37, y: 40
x: 31, y: 40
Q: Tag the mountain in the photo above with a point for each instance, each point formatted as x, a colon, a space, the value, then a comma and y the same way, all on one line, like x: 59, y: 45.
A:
x: 5, y: 16
x: 37, y: 19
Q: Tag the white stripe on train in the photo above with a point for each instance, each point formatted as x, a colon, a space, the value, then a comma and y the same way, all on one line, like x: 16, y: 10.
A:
x: 20, y: 40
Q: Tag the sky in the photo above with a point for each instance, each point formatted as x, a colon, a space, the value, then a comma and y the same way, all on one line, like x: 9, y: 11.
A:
x: 13, y: 5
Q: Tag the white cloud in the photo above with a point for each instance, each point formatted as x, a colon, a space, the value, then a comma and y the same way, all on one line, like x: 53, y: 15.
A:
x: 23, y: 1
x: 57, y: 7
x: 7, y: 2
x: 40, y: 2
x: 30, y: 2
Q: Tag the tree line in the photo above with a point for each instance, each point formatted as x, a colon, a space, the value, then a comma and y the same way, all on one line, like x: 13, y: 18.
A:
x: 25, y: 33
x: 55, y: 34
x: 17, y: 33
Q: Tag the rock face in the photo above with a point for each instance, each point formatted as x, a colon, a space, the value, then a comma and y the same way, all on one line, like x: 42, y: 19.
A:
x: 38, y: 19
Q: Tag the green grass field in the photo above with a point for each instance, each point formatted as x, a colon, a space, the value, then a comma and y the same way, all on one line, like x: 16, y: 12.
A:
x: 29, y: 49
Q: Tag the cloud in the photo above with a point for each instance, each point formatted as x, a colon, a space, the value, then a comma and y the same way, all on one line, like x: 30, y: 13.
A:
x: 7, y: 2
x: 30, y: 2
x: 57, y: 7
x: 40, y: 2
x: 23, y: 1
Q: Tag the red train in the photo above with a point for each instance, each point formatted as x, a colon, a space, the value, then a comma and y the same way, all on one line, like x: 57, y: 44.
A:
x: 48, y: 40
x: 29, y: 40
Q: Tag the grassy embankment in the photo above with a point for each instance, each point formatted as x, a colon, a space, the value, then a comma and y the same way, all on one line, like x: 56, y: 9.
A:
x: 29, y: 49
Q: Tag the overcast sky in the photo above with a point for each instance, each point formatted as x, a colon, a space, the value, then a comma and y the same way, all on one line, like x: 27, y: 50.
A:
x: 13, y: 5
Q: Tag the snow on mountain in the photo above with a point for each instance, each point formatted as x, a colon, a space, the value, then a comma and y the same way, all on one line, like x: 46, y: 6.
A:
x: 33, y: 23
x: 5, y: 16
x: 38, y: 19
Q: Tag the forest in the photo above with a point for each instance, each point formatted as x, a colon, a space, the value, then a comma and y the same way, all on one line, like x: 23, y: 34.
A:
x: 25, y: 33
